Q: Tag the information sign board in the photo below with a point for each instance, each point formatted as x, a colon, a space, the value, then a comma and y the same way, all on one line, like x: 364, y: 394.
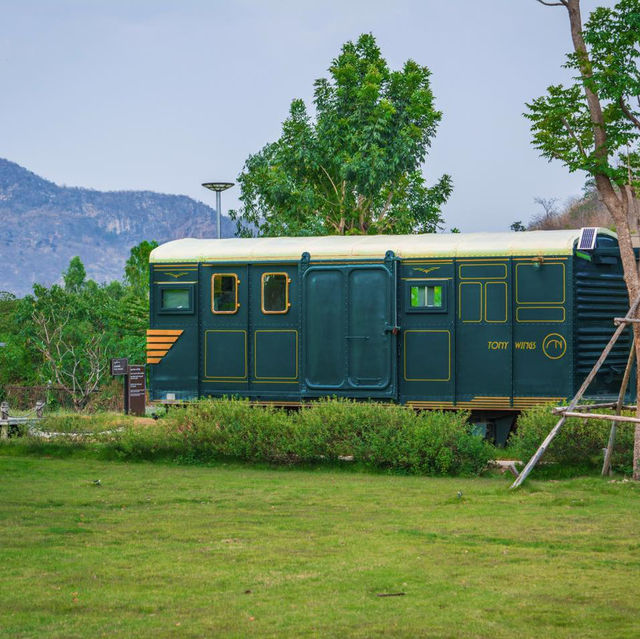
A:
x: 119, y: 366
x: 136, y: 389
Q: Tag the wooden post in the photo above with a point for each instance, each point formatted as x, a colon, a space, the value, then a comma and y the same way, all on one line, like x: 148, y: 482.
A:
x: 606, y: 465
x: 603, y: 416
x: 594, y: 371
x: 4, y: 417
x: 39, y: 409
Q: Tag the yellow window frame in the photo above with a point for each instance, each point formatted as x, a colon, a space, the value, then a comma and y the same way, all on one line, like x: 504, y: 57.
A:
x: 213, y: 279
x: 287, y: 303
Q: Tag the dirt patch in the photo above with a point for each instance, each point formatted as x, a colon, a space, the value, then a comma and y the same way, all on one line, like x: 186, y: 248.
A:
x: 143, y: 421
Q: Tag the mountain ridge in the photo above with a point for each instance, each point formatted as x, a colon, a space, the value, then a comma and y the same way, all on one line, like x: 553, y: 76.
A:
x: 43, y: 225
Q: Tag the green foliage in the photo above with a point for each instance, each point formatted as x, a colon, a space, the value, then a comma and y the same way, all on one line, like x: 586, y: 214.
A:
x: 356, y: 167
x: 7, y: 305
x: 136, y: 270
x: 381, y: 436
x: 66, y: 334
x: 14, y: 360
x: 579, y: 443
x: 518, y: 227
x: 561, y: 121
x: 75, y: 275
x: 613, y: 35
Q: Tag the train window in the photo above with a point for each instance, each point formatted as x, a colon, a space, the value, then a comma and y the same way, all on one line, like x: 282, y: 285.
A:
x: 175, y: 299
x: 224, y: 293
x: 429, y: 296
x: 275, y: 293
x: 426, y: 296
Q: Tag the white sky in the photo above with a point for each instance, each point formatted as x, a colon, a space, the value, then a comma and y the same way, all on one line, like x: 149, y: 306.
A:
x: 164, y: 95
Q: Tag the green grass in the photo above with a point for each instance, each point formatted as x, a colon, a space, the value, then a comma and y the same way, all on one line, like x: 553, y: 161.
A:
x: 159, y: 550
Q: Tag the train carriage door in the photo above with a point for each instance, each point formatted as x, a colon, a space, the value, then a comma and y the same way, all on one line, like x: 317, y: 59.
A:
x: 348, y: 344
x: 427, y: 348
x: 224, y: 362
x: 484, y: 348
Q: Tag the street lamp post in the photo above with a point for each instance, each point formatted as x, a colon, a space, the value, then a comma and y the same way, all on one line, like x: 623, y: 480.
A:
x: 218, y: 187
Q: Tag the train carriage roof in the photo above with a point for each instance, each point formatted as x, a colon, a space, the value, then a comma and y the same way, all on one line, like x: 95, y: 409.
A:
x: 369, y: 246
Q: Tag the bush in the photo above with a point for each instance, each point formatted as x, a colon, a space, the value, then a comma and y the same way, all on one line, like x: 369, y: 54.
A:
x: 578, y: 444
x: 383, y: 436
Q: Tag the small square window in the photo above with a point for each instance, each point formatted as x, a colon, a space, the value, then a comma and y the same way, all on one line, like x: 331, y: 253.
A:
x: 426, y: 295
x: 224, y: 293
x: 175, y: 299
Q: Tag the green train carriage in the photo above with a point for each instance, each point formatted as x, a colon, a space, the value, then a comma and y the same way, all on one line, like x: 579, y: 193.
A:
x: 491, y: 322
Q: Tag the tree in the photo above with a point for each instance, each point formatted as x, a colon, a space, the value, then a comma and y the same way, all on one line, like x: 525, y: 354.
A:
x: 75, y: 275
x: 67, y: 334
x: 518, y: 226
x: 356, y: 167
x: 7, y: 306
x: 136, y: 270
x: 593, y: 125
x: 549, y: 218
x: 130, y: 314
x: 68, y: 329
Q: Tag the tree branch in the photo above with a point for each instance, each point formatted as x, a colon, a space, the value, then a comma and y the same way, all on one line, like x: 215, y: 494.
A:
x: 386, y: 206
x: 332, y: 182
x: 627, y: 112
x: 571, y: 132
x: 561, y: 3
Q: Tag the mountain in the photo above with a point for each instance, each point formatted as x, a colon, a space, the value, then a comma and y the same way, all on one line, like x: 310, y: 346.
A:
x: 43, y: 225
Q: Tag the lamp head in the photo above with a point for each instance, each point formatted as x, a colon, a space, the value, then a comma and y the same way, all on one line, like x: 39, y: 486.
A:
x: 217, y: 186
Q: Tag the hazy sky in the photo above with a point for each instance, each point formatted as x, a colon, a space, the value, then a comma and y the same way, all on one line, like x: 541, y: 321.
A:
x: 164, y: 95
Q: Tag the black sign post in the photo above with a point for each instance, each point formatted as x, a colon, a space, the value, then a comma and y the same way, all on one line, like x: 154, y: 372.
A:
x: 119, y: 366
x: 136, y: 390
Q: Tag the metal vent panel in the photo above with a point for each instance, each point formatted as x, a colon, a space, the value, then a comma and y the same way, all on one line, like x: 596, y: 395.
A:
x: 588, y: 236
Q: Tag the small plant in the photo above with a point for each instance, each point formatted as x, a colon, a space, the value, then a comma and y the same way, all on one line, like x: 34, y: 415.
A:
x: 579, y: 443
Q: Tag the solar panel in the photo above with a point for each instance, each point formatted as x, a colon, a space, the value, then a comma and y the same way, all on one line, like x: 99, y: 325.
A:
x: 587, y: 241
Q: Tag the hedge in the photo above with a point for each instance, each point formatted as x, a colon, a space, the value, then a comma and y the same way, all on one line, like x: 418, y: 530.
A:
x: 376, y: 435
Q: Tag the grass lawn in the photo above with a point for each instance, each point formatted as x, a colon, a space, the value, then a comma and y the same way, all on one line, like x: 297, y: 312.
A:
x: 237, y: 551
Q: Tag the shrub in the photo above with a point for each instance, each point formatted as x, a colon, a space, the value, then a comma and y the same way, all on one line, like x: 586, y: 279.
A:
x: 383, y: 436
x: 579, y: 442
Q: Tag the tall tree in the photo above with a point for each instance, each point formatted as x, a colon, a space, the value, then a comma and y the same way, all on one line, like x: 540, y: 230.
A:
x: 356, y: 167
x: 75, y: 275
x: 593, y: 125
x: 136, y: 270
x: 130, y: 313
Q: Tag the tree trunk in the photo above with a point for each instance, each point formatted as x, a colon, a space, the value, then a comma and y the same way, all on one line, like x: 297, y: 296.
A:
x: 618, y: 205
x: 619, y: 214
